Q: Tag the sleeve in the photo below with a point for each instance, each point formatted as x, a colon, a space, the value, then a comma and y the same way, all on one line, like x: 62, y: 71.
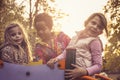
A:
x: 70, y: 45
x: 62, y: 56
x: 62, y: 37
x: 7, y: 54
x: 96, y: 51
x: 66, y: 39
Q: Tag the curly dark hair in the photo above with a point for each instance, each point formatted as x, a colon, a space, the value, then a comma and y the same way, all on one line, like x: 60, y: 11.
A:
x: 44, y: 17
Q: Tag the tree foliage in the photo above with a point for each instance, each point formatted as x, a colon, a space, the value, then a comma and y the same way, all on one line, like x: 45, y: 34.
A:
x: 40, y: 6
x: 46, y: 6
x: 10, y: 12
x: 112, y: 51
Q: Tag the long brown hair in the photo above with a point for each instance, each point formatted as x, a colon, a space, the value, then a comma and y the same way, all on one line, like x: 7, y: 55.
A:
x: 25, y: 46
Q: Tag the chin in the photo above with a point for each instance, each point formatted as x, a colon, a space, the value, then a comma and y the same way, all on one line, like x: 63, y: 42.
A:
x: 19, y: 43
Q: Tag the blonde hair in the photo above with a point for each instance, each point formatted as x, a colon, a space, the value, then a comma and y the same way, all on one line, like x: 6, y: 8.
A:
x: 25, y: 46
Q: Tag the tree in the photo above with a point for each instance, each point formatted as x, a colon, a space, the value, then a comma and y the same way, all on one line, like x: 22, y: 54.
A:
x: 46, y: 6
x: 39, y: 6
x: 112, y: 50
x: 9, y: 12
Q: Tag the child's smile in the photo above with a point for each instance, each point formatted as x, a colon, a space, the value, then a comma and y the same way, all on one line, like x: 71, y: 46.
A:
x: 93, y: 26
x: 17, y: 35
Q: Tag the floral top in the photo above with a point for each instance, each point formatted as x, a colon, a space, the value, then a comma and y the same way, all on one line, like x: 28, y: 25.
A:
x: 45, y: 52
x: 11, y: 54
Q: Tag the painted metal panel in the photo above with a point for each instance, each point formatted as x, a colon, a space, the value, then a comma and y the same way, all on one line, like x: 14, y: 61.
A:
x: 34, y: 72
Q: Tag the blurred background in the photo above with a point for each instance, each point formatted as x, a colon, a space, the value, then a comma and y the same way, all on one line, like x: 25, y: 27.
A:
x: 69, y: 17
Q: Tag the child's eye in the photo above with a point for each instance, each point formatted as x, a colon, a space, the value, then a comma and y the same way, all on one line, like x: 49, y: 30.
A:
x: 13, y: 34
x: 93, y: 22
x: 100, y: 27
x: 19, y: 33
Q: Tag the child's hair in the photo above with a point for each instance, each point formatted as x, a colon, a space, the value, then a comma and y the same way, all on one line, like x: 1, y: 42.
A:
x: 25, y: 46
x: 44, y: 17
x: 103, y: 21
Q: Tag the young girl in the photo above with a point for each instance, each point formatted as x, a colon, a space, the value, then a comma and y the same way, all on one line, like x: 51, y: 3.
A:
x: 88, y: 48
x: 16, y: 48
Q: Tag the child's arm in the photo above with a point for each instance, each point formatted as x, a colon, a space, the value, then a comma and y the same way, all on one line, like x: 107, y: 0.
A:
x: 62, y: 55
x: 51, y: 62
x: 96, y: 51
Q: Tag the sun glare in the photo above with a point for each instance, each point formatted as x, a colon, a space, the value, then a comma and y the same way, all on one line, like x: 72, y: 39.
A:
x: 78, y: 11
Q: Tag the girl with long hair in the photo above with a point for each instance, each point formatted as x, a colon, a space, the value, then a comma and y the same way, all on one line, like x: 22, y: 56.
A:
x: 16, y: 48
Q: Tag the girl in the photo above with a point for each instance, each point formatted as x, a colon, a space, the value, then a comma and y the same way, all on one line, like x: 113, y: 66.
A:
x: 16, y: 48
x: 88, y: 48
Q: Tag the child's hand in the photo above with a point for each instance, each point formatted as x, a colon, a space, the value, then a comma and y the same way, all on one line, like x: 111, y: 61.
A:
x: 75, y: 73
x: 51, y: 62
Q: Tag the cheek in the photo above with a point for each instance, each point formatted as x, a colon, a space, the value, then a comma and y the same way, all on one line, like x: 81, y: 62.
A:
x: 100, y: 32
x: 22, y: 37
x: 88, y: 24
x: 40, y: 33
x: 12, y: 37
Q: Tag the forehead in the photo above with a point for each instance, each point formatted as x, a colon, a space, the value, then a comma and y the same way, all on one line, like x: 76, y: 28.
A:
x: 96, y: 18
x: 15, y: 29
x: 41, y: 25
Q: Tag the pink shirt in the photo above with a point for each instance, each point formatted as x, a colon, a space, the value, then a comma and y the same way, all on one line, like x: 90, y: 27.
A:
x: 96, y: 52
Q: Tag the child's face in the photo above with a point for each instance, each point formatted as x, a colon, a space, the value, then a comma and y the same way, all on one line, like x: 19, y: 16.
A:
x: 94, y: 26
x: 16, y: 35
x: 43, y: 30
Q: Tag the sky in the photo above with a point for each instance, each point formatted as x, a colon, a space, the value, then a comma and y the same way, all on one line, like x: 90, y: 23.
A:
x: 78, y: 11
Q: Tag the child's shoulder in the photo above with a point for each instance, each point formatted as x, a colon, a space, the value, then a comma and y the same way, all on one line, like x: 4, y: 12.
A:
x: 5, y: 46
x: 97, y: 39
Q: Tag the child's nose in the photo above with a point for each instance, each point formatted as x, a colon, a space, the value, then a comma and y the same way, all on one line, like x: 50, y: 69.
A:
x: 17, y: 36
x: 95, y: 27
